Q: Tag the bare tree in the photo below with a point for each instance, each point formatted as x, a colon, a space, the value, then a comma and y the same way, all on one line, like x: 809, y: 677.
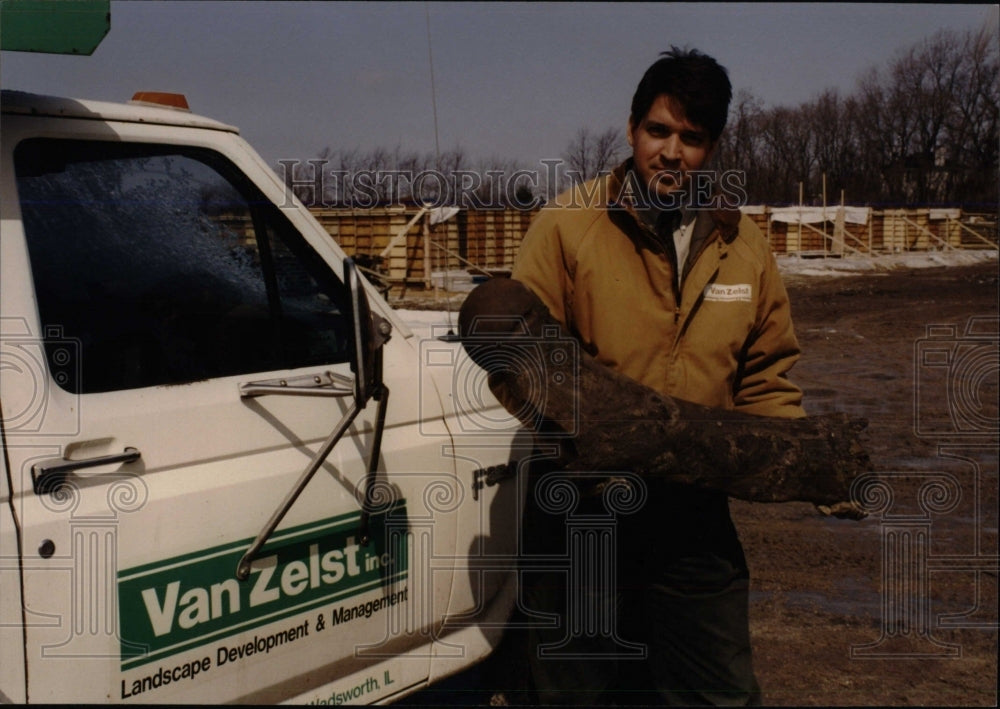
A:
x: 827, y: 118
x: 589, y: 155
x: 741, y: 146
x: 974, y: 125
x: 921, y: 130
x: 931, y: 118
x: 789, y: 148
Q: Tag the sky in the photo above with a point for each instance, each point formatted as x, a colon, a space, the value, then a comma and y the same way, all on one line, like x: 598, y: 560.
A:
x: 513, y: 81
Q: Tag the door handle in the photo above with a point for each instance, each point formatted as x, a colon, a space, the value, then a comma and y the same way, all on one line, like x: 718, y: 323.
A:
x: 46, y: 475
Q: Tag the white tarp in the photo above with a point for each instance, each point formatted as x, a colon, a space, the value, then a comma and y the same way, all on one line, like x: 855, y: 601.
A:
x: 817, y: 215
x: 443, y: 214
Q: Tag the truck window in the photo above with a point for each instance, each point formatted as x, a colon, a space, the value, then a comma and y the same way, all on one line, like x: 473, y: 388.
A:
x: 166, y: 265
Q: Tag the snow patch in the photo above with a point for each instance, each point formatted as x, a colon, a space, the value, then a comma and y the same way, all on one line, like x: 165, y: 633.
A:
x: 429, y: 323
x: 792, y: 264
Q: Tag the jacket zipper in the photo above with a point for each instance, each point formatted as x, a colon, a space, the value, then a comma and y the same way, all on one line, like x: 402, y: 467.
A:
x: 692, y: 259
x: 694, y: 308
x: 677, y: 291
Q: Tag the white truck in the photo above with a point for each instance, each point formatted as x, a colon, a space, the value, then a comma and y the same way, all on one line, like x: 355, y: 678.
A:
x: 229, y: 471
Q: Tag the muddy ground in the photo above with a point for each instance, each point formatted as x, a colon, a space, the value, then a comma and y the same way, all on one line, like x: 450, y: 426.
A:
x: 840, y: 614
x: 900, y: 608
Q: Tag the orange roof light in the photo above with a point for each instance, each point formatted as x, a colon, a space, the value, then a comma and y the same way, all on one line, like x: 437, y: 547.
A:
x: 161, y: 98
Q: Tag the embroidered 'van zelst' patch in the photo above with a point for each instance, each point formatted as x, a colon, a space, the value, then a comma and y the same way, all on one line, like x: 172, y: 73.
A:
x: 729, y: 293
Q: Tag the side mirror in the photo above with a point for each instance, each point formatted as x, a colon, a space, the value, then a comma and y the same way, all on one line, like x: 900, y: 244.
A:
x: 371, y: 332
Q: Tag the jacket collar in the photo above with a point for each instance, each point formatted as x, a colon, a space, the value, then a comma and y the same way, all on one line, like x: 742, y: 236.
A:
x: 625, y: 193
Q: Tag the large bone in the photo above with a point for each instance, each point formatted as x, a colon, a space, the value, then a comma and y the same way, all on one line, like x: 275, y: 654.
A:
x: 609, y: 422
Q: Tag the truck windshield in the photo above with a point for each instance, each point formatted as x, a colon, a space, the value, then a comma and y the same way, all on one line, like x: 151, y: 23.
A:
x: 165, y: 265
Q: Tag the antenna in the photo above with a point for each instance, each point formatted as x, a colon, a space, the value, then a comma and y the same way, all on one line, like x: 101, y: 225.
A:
x: 437, y: 148
x: 430, y: 60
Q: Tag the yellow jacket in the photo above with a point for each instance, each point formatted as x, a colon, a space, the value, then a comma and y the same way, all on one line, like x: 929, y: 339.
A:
x: 725, y: 340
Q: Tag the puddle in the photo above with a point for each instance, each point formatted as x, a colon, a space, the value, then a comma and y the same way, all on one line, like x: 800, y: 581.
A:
x: 880, y: 376
x: 818, y: 393
x: 902, y: 464
x: 850, y: 597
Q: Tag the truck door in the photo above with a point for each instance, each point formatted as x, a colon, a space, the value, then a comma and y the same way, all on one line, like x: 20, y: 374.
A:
x: 172, y: 347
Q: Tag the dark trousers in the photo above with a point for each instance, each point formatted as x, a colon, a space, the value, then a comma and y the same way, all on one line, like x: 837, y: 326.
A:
x: 644, y: 607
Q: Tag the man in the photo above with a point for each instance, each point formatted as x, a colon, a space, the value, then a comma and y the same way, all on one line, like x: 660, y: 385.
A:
x: 684, y: 297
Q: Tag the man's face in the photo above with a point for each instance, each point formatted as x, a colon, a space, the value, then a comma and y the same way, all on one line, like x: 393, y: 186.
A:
x: 666, y: 147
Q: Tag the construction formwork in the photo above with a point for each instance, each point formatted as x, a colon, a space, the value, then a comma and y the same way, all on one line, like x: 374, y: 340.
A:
x: 408, y: 244
x: 881, y: 231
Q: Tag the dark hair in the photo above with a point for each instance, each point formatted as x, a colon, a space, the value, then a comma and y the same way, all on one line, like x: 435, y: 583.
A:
x: 698, y: 83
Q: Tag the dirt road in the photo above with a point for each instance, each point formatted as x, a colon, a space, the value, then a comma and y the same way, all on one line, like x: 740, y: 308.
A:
x: 901, y: 608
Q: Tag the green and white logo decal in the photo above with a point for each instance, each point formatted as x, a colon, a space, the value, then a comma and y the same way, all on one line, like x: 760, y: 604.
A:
x: 177, y: 604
